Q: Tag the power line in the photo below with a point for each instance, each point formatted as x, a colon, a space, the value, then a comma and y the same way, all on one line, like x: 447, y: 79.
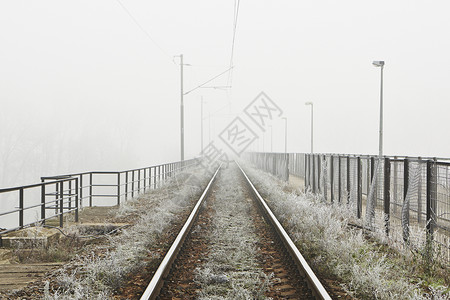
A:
x: 208, y: 81
x: 235, y: 21
x: 143, y: 29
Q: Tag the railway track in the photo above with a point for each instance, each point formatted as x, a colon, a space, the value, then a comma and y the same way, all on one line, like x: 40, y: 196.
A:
x: 232, y: 246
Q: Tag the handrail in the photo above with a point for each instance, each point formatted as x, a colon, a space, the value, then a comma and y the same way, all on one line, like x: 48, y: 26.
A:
x: 69, y: 189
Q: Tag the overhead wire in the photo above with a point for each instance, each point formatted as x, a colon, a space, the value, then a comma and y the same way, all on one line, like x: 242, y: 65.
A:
x: 235, y: 22
x: 233, y: 42
x: 199, y: 86
x: 144, y: 31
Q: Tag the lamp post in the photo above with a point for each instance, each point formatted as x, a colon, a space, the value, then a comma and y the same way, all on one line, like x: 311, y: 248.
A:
x: 312, y: 124
x: 380, y: 63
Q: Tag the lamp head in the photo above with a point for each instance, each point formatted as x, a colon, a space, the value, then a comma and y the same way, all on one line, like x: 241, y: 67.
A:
x: 308, y: 103
x: 378, y: 63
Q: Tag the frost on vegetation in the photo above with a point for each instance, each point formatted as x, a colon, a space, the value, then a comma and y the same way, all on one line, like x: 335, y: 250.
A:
x: 101, y: 275
x: 320, y: 231
x: 231, y: 270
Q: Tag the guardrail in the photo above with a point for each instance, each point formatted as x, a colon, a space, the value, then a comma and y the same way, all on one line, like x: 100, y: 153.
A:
x: 62, y: 194
x: 407, y: 198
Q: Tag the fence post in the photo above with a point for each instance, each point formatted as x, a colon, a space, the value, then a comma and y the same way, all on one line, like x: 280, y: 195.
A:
x: 21, y: 207
x: 61, y: 203
x: 80, y: 197
x: 319, y: 172
x: 56, y: 197
x: 274, y: 165
x: 43, y: 203
x: 132, y: 184
x: 90, y: 189
x: 306, y: 171
x: 405, y: 192
x: 324, y: 177
x: 419, y: 192
x: 139, y: 181
x: 154, y: 177
x: 372, y: 178
x: 287, y: 168
x: 150, y: 178
x: 348, y: 179
x: 372, y: 168
x: 359, y: 188
x: 387, y: 194
x: 431, y: 200
x: 395, y: 183
x: 332, y: 178
x: 339, y: 179
x: 369, y: 178
x: 313, y: 173
x: 145, y: 178
x: 76, y: 199
x: 126, y: 185
x: 118, y: 188
x: 70, y: 194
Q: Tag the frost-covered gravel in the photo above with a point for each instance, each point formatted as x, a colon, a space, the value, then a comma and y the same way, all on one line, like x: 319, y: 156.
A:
x: 231, y: 270
x: 103, y: 272
x: 321, y: 231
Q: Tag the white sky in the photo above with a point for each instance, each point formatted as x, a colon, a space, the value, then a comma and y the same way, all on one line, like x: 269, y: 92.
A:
x: 79, y: 80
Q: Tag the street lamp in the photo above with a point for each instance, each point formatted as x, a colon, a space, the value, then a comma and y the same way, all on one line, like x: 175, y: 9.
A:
x: 285, y: 135
x: 312, y: 124
x: 380, y: 63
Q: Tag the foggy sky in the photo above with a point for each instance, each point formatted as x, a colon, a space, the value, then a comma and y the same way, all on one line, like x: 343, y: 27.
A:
x: 82, y: 87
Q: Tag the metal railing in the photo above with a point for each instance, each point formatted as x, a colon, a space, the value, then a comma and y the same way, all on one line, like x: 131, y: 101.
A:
x: 277, y: 164
x: 407, y: 198
x: 62, y: 194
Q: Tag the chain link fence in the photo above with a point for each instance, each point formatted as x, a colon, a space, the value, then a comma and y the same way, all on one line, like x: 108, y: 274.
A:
x: 405, y: 198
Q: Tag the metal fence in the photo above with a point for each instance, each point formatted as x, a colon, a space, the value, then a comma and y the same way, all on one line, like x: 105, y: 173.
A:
x: 406, y: 198
x: 59, y: 195
x: 274, y: 163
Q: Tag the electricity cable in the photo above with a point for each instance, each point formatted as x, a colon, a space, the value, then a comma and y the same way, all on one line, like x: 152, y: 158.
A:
x: 144, y: 31
x: 235, y: 22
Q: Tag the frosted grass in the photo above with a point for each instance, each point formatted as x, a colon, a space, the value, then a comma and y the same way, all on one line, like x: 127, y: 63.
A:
x: 321, y: 231
x: 231, y: 270
x: 101, y: 275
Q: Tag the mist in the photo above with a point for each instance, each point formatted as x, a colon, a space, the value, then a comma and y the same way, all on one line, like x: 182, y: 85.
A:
x: 94, y: 85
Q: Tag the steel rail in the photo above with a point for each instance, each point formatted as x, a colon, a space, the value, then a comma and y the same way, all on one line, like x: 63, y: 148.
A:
x: 313, y: 282
x: 153, y: 288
